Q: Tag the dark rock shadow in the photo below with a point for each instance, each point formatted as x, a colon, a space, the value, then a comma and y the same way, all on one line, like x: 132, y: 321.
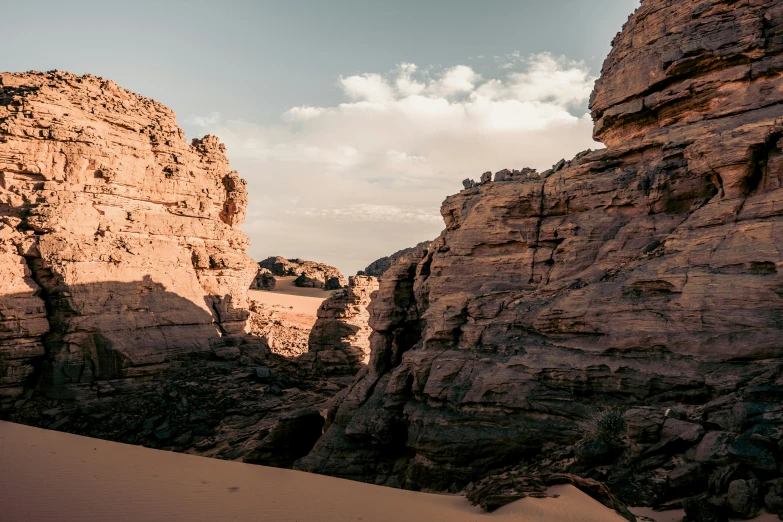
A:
x: 115, y: 330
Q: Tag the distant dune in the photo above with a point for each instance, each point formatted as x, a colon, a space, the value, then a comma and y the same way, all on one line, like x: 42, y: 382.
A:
x: 50, y: 476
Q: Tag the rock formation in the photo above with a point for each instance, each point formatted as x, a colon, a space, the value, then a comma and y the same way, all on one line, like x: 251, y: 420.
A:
x: 123, y: 282
x: 120, y: 247
x: 646, y: 277
x: 309, y: 274
x: 340, y: 339
x: 284, y: 333
x: 378, y: 267
x: 240, y: 409
x: 264, y: 280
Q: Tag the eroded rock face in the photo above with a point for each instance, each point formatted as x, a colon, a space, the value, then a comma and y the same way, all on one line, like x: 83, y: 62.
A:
x: 264, y: 280
x: 120, y: 246
x: 285, y: 332
x: 340, y: 339
x: 645, y: 276
x: 378, y: 267
x: 309, y: 274
x: 223, y: 409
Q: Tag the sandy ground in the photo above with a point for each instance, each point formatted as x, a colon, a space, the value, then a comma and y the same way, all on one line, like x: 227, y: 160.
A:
x: 294, y: 306
x: 297, y: 310
x: 285, y: 285
x: 677, y: 516
x: 47, y: 476
x: 658, y: 516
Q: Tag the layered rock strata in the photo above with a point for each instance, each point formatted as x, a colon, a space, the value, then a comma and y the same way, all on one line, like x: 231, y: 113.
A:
x: 252, y: 408
x: 339, y: 342
x: 309, y: 274
x: 378, y: 267
x: 120, y: 247
x: 645, y: 277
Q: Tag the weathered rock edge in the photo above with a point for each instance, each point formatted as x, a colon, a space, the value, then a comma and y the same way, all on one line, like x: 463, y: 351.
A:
x: 120, y: 246
x: 645, y: 277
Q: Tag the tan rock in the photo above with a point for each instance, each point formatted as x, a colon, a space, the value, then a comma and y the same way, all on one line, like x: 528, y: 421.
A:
x: 264, y: 280
x: 378, y: 267
x: 282, y: 332
x: 340, y: 339
x: 309, y: 274
x: 127, y: 233
x: 647, y: 273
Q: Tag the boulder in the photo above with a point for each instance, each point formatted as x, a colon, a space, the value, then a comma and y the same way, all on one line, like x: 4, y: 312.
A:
x: 688, y: 432
x: 264, y: 280
x: 743, y: 498
x: 714, y: 447
x: 773, y: 500
x: 754, y: 454
x: 503, y: 175
x: 340, y: 339
x: 263, y: 373
x: 644, y: 424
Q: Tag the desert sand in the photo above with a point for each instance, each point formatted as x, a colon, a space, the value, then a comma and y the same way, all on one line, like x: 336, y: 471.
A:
x: 295, y: 309
x: 285, y: 285
x: 49, y: 475
x: 677, y: 515
x: 294, y: 305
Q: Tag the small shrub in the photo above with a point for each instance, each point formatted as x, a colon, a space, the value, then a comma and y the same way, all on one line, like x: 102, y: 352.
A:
x: 606, y: 425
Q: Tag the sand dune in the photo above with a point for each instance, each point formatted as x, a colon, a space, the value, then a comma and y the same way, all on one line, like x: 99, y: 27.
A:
x: 47, y: 476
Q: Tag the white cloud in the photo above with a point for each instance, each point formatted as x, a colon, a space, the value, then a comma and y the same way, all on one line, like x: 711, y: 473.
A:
x: 354, y: 181
x: 203, y: 121
x: 365, y: 212
x: 372, y: 88
x: 459, y: 79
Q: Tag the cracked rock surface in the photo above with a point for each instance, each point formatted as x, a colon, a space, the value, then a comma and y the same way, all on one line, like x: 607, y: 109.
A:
x: 646, y: 277
x: 120, y: 248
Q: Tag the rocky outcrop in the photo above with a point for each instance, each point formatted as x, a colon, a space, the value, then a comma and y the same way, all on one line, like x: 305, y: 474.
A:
x: 378, y: 267
x: 499, y: 490
x: 264, y: 280
x: 309, y: 274
x: 283, y: 331
x: 646, y: 277
x: 340, y: 339
x: 120, y: 247
x: 251, y: 408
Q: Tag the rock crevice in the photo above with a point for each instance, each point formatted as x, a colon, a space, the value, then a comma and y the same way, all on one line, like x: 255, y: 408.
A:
x: 643, y: 275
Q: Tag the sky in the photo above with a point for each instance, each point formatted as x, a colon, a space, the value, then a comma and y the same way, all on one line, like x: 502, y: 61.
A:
x: 351, y: 120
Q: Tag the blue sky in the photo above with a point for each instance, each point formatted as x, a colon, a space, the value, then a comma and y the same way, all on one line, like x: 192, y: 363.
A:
x: 351, y: 120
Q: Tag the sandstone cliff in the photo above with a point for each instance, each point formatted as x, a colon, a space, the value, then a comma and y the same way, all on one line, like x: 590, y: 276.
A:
x: 309, y: 274
x: 645, y: 277
x: 340, y: 339
x: 378, y: 267
x: 120, y: 246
